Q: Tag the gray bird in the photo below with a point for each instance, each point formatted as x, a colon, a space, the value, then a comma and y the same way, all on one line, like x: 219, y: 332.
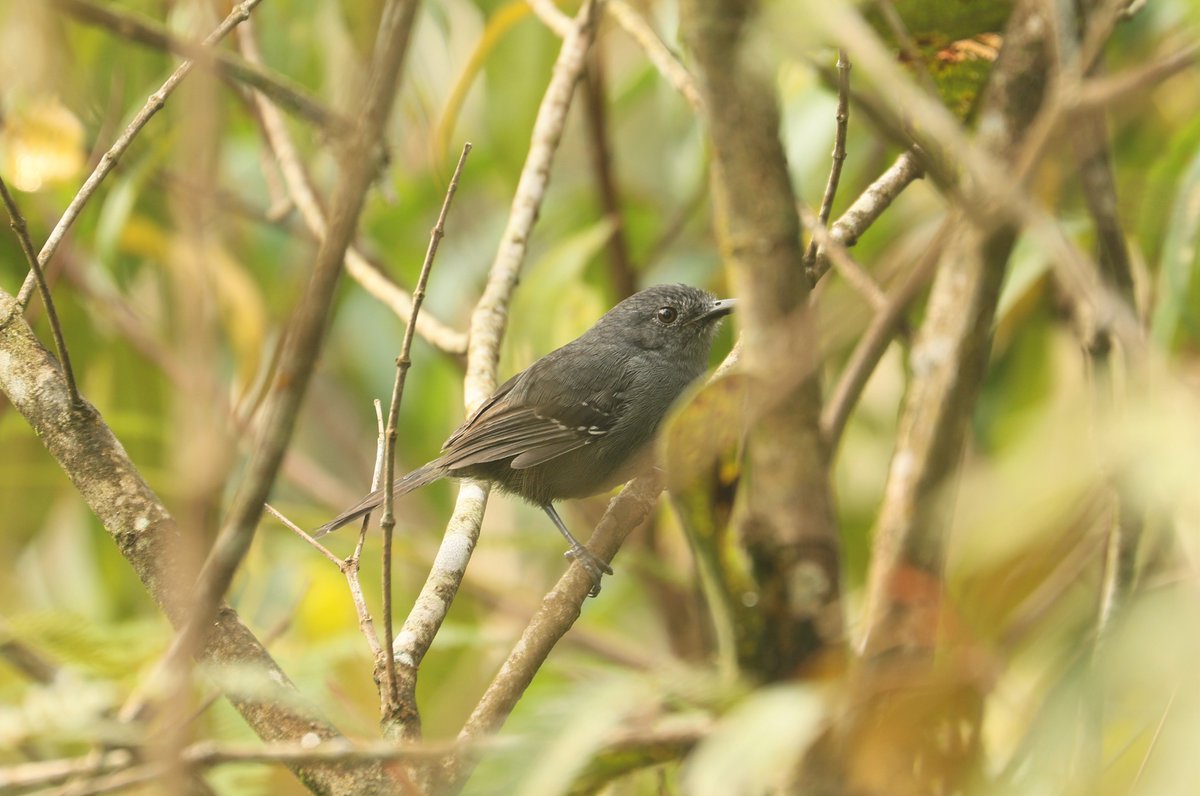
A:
x: 574, y: 422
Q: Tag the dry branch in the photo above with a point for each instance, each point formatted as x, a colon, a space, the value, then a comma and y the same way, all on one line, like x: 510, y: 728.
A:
x: 951, y: 351
x: 238, y: 14
x: 786, y: 519
x: 488, y: 322
x: 145, y: 31
x: 148, y: 537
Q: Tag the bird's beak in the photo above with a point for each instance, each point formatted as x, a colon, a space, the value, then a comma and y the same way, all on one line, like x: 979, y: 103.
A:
x: 719, y: 309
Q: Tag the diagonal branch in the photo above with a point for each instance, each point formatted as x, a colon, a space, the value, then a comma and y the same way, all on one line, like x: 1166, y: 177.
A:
x: 786, y: 518
x: 559, y: 610
x: 358, y: 166
x: 300, y: 189
x: 149, y: 539
x: 240, y: 13
x: 488, y: 322
x: 144, y: 31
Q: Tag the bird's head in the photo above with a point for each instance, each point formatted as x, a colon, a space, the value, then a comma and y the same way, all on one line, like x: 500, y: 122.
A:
x: 674, y: 320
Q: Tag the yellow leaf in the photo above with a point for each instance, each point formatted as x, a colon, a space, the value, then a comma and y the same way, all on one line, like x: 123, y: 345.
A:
x: 41, y: 142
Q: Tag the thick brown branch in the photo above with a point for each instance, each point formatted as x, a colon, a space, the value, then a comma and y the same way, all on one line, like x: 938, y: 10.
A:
x: 951, y: 351
x: 145, y: 31
x: 787, y: 521
x: 488, y: 323
x: 148, y: 537
x: 238, y: 14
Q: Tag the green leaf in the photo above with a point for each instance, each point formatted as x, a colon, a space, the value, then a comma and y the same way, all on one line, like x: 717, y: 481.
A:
x: 1177, y: 282
x: 701, y: 446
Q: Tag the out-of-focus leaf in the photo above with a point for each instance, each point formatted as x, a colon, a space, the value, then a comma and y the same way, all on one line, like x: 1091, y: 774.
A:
x: 41, y: 144
x: 593, y: 715
x: 757, y: 745
x: 945, y: 20
x: 1178, y: 289
x: 497, y: 26
x: 701, y: 446
x: 555, y: 304
x: 955, y: 41
x: 242, y: 305
x: 69, y: 709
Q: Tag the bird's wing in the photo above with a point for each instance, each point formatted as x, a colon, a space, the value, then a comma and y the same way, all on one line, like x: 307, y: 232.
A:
x: 535, y: 424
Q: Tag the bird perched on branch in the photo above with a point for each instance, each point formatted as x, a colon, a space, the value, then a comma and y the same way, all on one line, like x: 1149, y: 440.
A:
x: 573, y: 423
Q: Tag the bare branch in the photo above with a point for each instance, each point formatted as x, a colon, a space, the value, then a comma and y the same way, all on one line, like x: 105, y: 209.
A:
x: 869, y: 206
x: 851, y: 271
x: 300, y: 188
x: 17, y: 222
x: 839, y: 154
x: 307, y: 329
x: 488, y: 322
x: 144, y: 31
x: 403, y: 362
x: 238, y: 14
x: 874, y: 342
x: 559, y: 610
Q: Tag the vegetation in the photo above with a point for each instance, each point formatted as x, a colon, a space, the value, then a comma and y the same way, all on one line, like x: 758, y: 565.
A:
x: 929, y: 527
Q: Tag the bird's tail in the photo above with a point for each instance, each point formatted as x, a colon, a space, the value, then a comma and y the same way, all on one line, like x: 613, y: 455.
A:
x: 401, y: 486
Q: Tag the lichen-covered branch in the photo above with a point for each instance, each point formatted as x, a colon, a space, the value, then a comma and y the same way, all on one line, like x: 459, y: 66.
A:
x: 785, y: 516
x: 148, y: 537
x: 951, y: 351
x: 488, y: 322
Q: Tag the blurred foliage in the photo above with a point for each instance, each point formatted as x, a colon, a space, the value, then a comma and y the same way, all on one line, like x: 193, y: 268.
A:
x: 175, y: 287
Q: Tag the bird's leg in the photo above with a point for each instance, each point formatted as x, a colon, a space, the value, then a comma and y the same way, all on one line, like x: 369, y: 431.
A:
x: 596, y: 566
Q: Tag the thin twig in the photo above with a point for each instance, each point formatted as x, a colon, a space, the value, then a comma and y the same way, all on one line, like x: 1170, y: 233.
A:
x: 487, y: 328
x: 1111, y: 89
x: 300, y: 188
x: 17, y: 222
x: 403, y: 363
x: 559, y: 610
x: 863, y: 212
x: 660, y: 56
x: 621, y: 271
x: 874, y: 342
x: 144, y: 31
x: 296, y: 529
x: 851, y: 271
x: 839, y: 154
x: 306, y: 332
x: 238, y: 14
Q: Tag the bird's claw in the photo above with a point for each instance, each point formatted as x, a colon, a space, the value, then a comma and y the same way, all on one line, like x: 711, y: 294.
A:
x: 596, y: 566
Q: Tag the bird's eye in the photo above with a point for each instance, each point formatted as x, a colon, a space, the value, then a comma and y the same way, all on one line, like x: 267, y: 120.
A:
x: 667, y: 315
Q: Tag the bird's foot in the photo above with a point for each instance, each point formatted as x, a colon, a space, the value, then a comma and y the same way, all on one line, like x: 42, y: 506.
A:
x: 596, y: 566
